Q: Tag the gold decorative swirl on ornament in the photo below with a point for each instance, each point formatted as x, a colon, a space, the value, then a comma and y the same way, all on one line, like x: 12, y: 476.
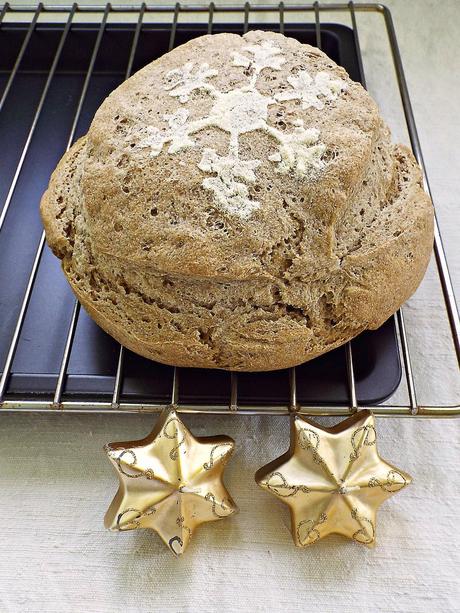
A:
x: 308, y: 526
x: 171, y: 543
x: 362, y: 535
x: 395, y: 482
x: 180, y: 522
x: 368, y: 440
x: 210, y: 464
x: 284, y: 485
x: 131, y: 525
x: 211, y: 498
x: 134, y: 523
x: 174, y: 453
x: 147, y: 473
x: 309, y: 440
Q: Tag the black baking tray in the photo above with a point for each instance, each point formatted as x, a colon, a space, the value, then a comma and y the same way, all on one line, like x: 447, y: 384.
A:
x: 93, y: 361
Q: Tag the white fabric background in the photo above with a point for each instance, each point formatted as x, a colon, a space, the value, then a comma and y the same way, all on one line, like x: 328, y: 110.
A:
x: 56, y: 483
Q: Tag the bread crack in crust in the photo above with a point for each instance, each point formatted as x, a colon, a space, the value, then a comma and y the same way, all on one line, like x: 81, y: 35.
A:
x: 238, y: 204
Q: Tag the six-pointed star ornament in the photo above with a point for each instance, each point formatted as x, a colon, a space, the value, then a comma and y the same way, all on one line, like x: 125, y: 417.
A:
x: 170, y: 482
x: 332, y: 479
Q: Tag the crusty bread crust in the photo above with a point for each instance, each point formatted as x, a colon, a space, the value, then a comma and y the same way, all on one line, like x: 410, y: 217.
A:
x: 173, y: 276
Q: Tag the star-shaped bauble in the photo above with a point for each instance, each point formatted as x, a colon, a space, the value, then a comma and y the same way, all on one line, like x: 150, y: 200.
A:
x: 170, y: 482
x: 332, y: 479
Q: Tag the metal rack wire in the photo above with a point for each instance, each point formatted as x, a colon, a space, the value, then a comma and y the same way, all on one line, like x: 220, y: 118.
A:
x: 207, y: 13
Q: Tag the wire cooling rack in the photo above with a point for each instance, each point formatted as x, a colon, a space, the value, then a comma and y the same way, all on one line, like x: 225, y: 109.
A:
x: 171, y: 15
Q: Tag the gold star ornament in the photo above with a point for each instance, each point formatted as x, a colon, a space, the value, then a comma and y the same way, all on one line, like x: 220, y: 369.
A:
x: 332, y: 479
x: 170, y: 482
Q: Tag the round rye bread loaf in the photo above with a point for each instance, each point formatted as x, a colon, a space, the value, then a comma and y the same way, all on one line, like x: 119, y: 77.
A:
x: 238, y: 204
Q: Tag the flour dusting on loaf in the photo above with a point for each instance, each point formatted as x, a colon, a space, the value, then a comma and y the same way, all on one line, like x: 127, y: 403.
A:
x: 238, y: 204
x: 239, y: 111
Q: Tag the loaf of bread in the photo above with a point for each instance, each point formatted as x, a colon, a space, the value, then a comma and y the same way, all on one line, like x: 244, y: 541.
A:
x: 238, y: 204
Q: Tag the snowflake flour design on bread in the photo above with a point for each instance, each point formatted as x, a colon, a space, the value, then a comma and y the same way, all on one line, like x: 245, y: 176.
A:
x: 312, y: 91
x: 241, y: 110
x: 238, y: 204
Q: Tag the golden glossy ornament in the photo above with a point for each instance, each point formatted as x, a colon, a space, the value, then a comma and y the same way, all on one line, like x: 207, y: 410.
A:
x: 332, y: 479
x: 170, y: 482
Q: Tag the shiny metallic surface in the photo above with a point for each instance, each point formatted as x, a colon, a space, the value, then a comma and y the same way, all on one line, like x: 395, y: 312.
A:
x: 118, y: 379
x: 76, y: 309
x: 292, y: 390
x: 351, y: 378
x: 333, y: 480
x: 22, y: 50
x: 170, y: 482
x: 175, y: 388
x: 66, y: 355
x: 40, y: 106
x: 407, y: 362
x: 95, y: 406
x: 233, y: 392
x: 441, y: 261
x: 20, y: 321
